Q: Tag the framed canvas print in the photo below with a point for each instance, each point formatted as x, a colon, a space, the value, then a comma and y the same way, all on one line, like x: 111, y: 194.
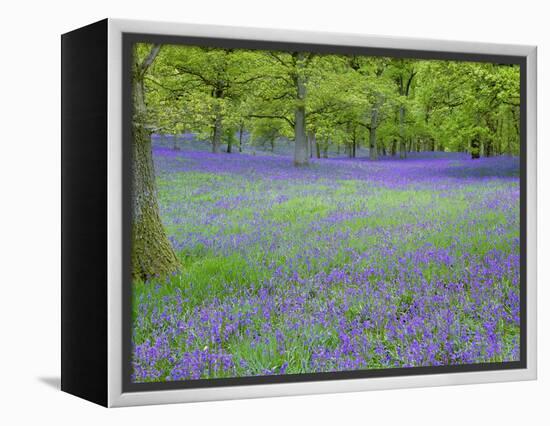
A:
x: 251, y: 212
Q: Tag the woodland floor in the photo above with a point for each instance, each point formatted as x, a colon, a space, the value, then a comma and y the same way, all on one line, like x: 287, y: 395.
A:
x: 340, y: 265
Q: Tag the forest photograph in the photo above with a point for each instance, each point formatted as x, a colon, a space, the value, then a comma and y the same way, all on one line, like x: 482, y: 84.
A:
x: 294, y: 212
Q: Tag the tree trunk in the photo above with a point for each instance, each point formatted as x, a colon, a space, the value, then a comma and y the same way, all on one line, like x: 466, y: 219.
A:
x: 312, y: 144
x: 499, y: 137
x: 241, y: 138
x: 488, y: 148
x: 152, y: 254
x: 217, y: 134
x: 393, y: 148
x: 373, y: 149
x: 475, y: 148
x: 402, y: 144
x: 317, y: 149
x: 218, y: 121
x: 230, y: 142
x: 300, y: 139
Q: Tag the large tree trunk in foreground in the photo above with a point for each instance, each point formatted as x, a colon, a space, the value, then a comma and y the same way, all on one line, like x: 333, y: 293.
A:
x: 152, y: 253
x: 300, y: 138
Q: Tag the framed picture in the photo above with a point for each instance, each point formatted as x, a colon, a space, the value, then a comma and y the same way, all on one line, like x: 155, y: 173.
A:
x: 251, y: 212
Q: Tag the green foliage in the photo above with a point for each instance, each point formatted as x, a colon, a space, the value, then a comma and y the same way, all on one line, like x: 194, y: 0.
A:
x: 419, y: 105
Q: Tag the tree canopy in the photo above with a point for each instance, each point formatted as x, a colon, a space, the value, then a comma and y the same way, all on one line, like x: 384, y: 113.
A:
x: 387, y: 106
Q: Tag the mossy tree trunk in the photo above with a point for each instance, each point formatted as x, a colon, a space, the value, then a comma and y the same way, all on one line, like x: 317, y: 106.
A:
x: 152, y: 253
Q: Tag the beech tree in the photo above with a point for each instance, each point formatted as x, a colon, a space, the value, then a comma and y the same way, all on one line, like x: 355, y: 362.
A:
x: 283, y: 96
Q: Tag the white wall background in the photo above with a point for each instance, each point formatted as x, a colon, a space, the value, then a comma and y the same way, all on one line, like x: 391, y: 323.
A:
x: 30, y: 210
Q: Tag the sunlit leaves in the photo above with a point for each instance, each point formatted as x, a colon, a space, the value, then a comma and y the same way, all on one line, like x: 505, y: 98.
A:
x: 445, y: 103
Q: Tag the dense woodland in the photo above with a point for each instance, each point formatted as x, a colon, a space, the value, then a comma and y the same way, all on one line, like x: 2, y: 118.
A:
x: 386, y: 106
x: 389, y: 106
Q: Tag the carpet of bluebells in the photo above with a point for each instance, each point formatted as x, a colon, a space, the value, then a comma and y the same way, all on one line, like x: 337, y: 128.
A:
x: 344, y: 264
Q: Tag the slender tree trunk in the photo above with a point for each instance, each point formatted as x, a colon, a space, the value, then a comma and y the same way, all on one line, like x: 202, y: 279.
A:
x: 402, y: 142
x: 218, y: 122
x: 475, y: 148
x: 488, y: 148
x: 373, y: 149
x: 498, y: 141
x: 152, y: 254
x: 490, y: 144
x: 229, y: 144
x: 312, y: 143
x: 217, y: 134
x: 300, y: 139
x: 317, y: 149
x: 325, y: 148
x: 241, y: 138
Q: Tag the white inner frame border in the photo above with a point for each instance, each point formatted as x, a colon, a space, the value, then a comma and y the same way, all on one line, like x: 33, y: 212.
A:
x: 117, y: 398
